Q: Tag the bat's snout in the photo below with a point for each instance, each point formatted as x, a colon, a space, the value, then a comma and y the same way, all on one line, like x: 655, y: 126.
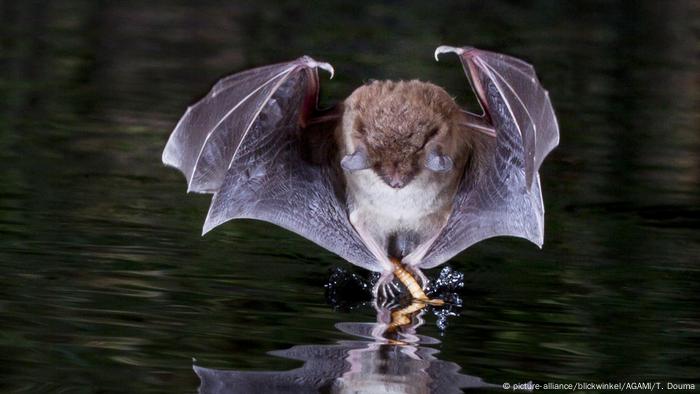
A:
x: 395, y: 180
x: 396, y: 184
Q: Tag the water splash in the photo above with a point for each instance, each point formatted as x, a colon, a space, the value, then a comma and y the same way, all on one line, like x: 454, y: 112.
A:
x: 346, y: 291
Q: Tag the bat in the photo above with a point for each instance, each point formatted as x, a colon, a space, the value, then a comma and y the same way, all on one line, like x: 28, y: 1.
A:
x: 395, y: 179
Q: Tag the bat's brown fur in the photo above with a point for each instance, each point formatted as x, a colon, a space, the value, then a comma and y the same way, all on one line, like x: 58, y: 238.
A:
x: 395, y: 120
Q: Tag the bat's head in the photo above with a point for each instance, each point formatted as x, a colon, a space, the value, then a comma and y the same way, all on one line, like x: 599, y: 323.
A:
x: 400, y: 129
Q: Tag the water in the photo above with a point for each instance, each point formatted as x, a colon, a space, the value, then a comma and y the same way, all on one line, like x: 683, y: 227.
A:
x: 107, y: 286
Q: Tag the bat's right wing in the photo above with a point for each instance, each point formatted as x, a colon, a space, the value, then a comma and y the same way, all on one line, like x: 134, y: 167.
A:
x: 506, y: 198
x: 244, y: 142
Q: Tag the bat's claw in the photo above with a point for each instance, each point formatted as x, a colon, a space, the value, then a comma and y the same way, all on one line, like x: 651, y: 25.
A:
x: 309, y: 61
x: 385, y: 288
x: 448, y: 49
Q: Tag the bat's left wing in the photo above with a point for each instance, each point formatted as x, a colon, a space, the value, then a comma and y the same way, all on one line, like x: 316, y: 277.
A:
x: 506, y: 198
x: 245, y: 142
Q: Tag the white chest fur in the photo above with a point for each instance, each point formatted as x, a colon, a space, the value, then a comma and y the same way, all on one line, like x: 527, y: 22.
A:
x: 384, y: 210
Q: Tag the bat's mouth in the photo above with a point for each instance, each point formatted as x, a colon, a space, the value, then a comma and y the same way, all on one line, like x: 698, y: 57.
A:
x: 396, y: 181
x: 396, y: 184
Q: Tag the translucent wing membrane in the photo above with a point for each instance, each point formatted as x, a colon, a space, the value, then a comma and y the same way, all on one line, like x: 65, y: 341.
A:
x: 206, y: 138
x: 506, y: 198
x: 242, y: 142
x: 527, y: 103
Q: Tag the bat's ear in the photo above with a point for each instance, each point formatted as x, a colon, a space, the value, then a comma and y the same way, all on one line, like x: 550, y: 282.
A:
x: 436, y: 161
x: 355, y: 161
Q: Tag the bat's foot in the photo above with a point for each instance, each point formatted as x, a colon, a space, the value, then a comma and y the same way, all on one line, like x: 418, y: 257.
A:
x: 386, y: 288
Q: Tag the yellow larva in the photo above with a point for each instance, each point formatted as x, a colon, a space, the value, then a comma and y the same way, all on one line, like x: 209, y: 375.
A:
x: 412, y: 285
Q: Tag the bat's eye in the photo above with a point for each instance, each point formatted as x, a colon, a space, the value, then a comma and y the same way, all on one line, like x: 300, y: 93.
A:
x: 428, y: 136
x: 432, y: 133
x: 438, y: 162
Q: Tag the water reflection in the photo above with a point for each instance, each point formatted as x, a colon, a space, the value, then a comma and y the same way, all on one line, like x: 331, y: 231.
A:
x: 388, y: 357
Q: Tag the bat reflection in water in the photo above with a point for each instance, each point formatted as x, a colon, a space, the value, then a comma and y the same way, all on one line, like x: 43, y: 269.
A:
x: 395, y: 179
x: 389, y: 358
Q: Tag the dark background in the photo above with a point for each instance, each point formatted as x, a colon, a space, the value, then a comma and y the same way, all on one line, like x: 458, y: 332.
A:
x: 107, y: 286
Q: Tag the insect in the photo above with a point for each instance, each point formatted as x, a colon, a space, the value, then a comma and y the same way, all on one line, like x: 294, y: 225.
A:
x: 395, y: 179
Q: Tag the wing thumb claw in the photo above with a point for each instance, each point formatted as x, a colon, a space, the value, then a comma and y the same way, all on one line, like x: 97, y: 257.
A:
x: 309, y: 61
x: 327, y: 67
x: 447, y: 49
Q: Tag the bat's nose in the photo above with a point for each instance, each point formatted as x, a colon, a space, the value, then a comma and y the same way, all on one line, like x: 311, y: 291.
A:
x: 396, y: 182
